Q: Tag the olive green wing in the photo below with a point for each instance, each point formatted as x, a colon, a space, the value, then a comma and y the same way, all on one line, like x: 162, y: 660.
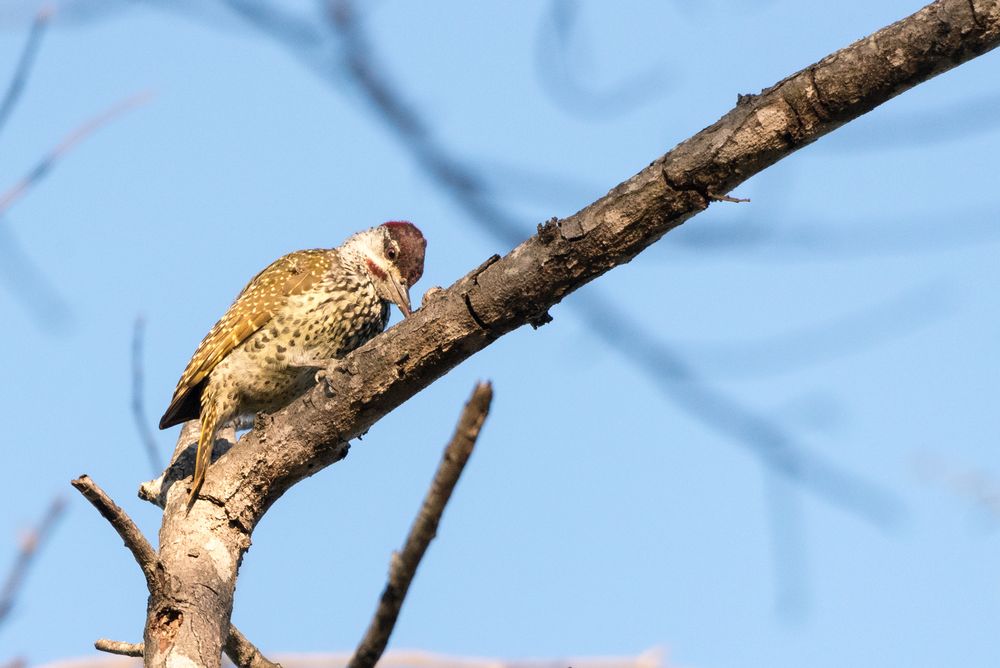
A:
x: 262, y: 298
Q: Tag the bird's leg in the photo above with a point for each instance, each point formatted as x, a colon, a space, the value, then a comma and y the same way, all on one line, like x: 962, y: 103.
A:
x: 292, y: 361
x: 305, y: 361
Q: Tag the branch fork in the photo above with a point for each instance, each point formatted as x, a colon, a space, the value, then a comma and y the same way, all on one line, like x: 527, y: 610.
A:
x: 242, y: 652
x: 402, y: 568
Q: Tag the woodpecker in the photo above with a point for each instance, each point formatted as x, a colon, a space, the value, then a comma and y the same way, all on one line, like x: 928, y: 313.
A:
x: 304, y: 309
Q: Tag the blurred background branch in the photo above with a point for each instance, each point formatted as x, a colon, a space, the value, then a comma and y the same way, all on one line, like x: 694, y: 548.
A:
x: 139, y: 416
x: 31, y: 543
x: 68, y: 143
x: 562, y: 56
x: 20, y: 274
x: 22, y: 70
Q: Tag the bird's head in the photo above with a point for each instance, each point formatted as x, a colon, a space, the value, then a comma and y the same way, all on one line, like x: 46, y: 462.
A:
x: 393, y: 255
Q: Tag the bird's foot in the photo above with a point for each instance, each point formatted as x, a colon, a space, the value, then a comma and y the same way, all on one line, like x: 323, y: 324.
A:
x: 433, y: 292
x: 323, y: 380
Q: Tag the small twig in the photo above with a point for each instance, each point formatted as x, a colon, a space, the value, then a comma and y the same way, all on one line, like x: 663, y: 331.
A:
x: 136, y: 543
x: 404, y: 564
x: 28, y: 284
x: 242, y: 652
x: 138, y: 403
x: 119, y: 647
x: 30, y: 545
x: 40, y: 170
x: 727, y: 198
x: 24, y: 64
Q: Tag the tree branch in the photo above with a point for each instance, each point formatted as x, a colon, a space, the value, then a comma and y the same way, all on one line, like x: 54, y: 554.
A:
x: 404, y: 564
x: 242, y: 652
x: 118, y: 647
x: 22, y: 70
x: 138, y: 402
x: 504, y: 294
x: 136, y: 543
x: 201, y: 550
x: 26, y: 282
x: 466, y: 185
x: 30, y: 545
x: 660, y: 362
x: 45, y: 165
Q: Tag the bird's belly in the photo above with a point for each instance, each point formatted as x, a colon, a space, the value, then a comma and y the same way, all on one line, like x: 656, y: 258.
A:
x: 279, y: 362
x: 257, y: 381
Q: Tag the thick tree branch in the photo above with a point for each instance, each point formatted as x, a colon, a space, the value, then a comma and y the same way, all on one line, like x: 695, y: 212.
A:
x: 774, y: 446
x: 202, y: 550
x: 506, y: 293
x: 660, y: 362
x: 242, y: 652
x: 404, y: 564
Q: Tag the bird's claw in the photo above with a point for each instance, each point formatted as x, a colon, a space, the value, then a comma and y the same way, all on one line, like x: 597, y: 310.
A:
x: 432, y: 293
x: 323, y: 380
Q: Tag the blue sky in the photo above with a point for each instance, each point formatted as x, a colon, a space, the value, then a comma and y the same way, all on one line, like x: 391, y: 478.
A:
x: 853, y: 303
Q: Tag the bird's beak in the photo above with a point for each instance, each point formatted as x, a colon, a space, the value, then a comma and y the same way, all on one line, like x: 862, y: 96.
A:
x: 400, y: 294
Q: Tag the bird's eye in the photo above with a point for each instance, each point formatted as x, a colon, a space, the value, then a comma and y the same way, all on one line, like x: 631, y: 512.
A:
x: 391, y: 253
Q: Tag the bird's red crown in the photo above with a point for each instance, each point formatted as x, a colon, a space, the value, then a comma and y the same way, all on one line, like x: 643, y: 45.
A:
x: 411, y: 245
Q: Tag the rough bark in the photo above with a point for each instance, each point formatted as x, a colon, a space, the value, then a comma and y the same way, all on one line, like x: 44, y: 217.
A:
x: 243, y: 653
x: 200, y: 552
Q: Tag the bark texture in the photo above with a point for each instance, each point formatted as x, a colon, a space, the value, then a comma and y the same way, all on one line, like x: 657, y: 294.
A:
x: 240, y: 650
x: 200, y: 552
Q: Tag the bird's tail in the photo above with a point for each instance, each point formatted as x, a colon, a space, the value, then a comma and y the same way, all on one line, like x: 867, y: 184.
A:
x: 203, y: 457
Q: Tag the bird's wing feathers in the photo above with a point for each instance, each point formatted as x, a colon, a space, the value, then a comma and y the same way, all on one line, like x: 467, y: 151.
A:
x: 254, y: 307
